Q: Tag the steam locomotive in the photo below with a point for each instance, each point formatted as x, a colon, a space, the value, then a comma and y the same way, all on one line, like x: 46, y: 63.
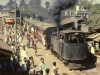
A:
x: 70, y: 46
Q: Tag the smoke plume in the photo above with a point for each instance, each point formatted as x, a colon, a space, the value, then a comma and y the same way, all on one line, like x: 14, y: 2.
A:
x: 58, y: 6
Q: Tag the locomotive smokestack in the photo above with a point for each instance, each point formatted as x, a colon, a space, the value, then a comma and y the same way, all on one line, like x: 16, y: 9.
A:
x: 57, y: 7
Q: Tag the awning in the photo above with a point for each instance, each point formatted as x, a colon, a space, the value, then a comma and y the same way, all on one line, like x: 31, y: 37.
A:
x: 93, y: 36
x: 9, y: 22
x: 97, y: 39
x: 5, y: 48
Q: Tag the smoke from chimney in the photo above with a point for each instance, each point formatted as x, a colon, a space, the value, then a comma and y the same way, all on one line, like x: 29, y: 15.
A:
x: 58, y: 6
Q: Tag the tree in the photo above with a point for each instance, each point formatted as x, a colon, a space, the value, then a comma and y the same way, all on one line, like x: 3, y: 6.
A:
x: 10, y: 4
x: 47, y: 4
x: 22, y: 2
x: 31, y: 2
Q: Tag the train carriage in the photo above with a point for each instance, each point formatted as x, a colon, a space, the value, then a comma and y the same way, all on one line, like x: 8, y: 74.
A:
x: 42, y: 31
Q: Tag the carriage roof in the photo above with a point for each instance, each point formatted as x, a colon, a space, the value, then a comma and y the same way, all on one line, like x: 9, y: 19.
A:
x: 40, y: 24
x: 71, y: 31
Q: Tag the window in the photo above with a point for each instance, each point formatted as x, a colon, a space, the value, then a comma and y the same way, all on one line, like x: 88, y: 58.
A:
x: 75, y: 38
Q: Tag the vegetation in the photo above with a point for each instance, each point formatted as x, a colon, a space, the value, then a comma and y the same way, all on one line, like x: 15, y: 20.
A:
x: 94, y: 19
x: 34, y: 7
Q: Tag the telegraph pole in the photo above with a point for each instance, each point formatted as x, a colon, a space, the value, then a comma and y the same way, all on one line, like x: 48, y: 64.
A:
x: 15, y: 26
x: 20, y: 17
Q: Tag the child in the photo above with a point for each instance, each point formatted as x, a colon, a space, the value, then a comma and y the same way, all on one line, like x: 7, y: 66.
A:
x: 35, y: 48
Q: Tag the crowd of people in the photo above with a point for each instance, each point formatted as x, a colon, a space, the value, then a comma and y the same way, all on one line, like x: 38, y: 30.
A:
x: 20, y: 63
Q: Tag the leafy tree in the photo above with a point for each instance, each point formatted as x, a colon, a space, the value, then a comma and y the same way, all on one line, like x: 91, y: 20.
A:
x: 10, y: 4
x: 47, y: 4
x: 22, y: 2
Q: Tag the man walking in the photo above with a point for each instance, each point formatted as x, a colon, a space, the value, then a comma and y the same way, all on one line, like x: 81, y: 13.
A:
x: 42, y: 66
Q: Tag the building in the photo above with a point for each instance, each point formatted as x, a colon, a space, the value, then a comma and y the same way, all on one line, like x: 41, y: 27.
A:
x: 81, y: 11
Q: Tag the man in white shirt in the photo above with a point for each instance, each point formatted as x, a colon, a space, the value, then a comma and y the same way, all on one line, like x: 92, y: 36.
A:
x: 32, y: 29
x: 24, y: 54
x: 24, y: 67
x: 20, y: 39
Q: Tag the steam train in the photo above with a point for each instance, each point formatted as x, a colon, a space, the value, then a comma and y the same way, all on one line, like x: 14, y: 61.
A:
x: 71, y: 48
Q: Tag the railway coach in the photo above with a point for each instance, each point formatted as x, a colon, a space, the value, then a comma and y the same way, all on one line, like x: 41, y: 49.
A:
x: 43, y: 31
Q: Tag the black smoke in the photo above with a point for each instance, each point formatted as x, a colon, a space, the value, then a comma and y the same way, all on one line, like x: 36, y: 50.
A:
x: 58, y: 6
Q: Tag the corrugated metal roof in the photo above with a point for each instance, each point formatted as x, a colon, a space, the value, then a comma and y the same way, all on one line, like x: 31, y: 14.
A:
x: 40, y: 24
x: 93, y: 36
x: 97, y: 39
x: 71, y: 31
x: 69, y: 20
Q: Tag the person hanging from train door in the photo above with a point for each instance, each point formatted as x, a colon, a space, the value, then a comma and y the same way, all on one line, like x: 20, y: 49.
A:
x: 61, y: 44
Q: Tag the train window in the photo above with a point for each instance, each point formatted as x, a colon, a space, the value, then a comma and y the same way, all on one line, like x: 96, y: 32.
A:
x: 71, y: 38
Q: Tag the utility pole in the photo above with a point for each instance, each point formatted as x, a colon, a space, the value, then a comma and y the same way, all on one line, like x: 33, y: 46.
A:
x: 15, y: 26
x: 20, y: 17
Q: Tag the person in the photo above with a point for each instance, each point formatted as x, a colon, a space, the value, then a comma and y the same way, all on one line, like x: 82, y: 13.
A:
x: 2, y: 29
x: 47, y: 71
x: 13, y: 47
x: 41, y: 72
x: 54, y: 67
x: 24, y: 54
x: 55, y: 72
x: 32, y: 43
x: 61, y: 44
x: 42, y: 66
x: 24, y: 67
x: 1, y: 68
x: 20, y: 39
x: 61, y: 40
x: 28, y: 43
x: 35, y: 48
x: 31, y: 63
x: 8, y: 68
x: 32, y: 29
x: 18, y: 70
x: 16, y: 62
x: 32, y: 72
